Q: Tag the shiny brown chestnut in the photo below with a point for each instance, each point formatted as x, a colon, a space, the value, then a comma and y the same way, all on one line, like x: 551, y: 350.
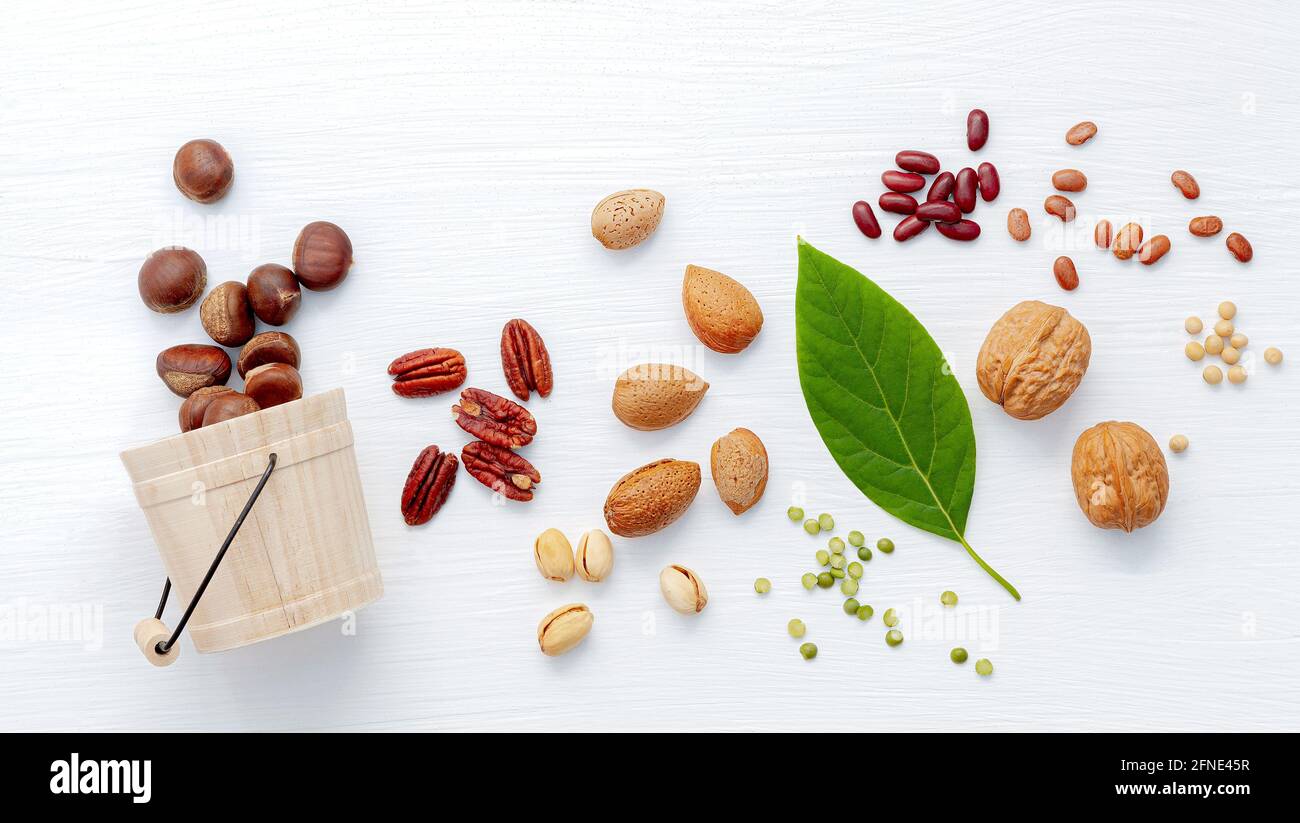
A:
x: 274, y: 294
x: 227, y: 406
x: 226, y: 315
x: 191, y: 414
x: 268, y: 347
x: 191, y: 366
x: 273, y: 384
x: 203, y: 171
x: 321, y: 256
x: 172, y: 279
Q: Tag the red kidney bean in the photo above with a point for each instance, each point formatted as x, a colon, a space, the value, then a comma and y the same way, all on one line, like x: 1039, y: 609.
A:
x: 965, y: 230
x: 866, y: 219
x: 990, y: 185
x: 897, y: 203
x: 917, y: 161
x: 977, y: 129
x: 909, y: 227
x: 942, y: 211
x: 963, y: 193
x: 902, y: 181
x: 942, y: 187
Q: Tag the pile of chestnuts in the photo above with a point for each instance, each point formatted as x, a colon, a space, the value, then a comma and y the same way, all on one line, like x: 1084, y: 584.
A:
x: 174, y: 278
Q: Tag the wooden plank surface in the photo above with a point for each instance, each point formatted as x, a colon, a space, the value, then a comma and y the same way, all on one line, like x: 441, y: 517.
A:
x: 462, y: 146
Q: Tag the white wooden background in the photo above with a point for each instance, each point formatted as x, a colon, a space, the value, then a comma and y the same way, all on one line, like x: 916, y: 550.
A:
x: 462, y: 146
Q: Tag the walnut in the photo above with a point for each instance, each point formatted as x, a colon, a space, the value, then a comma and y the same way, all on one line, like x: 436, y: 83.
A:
x: 1120, y: 477
x: 1033, y: 359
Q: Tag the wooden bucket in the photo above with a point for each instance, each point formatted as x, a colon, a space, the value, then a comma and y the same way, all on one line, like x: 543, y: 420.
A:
x: 304, y: 554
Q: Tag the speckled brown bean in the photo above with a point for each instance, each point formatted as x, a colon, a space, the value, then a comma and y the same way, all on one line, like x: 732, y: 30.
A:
x: 1154, y: 249
x: 1069, y: 180
x: 1059, y: 207
x: 902, y: 181
x: 866, y: 220
x: 1018, y: 225
x: 1102, y: 234
x: 1240, y: 247
x: 909, y: 227
x: 1127, y: 241
x: 1206, y: 226
x: 1067, y: 276
x: 941, y: 188
x: 897, y: 203
x: 963, y: 194
x: 1081, y: 133
x: 1186, y: 184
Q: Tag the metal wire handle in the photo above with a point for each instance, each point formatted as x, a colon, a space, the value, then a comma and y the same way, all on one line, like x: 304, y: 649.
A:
x: 163, y: 647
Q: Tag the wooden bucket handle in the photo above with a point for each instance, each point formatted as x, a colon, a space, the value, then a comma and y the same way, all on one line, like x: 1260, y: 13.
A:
x: 156, y: 643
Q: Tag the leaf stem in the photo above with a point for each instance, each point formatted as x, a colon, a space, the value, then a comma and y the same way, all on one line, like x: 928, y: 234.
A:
x: 986, y: 567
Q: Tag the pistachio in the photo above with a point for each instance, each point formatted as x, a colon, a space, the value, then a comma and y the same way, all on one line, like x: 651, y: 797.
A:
x: 595, y: 556
x: 683, y: 590
x: 554, y: 555
x: 564, y: 628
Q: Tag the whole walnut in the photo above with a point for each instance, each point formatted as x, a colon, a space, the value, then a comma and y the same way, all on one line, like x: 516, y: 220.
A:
x: 1033, y: 359
x: 1120, y: 477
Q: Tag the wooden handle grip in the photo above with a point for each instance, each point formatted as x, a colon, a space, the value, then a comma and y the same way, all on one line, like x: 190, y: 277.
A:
x: 148, y: 634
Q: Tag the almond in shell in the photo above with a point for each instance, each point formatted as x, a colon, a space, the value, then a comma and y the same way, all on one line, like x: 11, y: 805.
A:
x: 650, y: 498
x: 723, y: 313
x: 626, y: 218
x: 653, y: 396
x: 739, y: 464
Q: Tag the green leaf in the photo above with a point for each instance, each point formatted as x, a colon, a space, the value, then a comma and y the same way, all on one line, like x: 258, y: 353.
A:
x: 883, y: 399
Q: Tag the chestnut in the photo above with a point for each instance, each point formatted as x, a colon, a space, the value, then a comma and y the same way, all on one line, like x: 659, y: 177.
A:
x: 191, y: 366
x: 191, y: 414
x: 268, y: 347
x: 172, y: 279
x: 274, y: 294
x: 227, y: 406
x: 273, y: 384
x: 203, y: 171
x: 226, y: 315
x: 321, y: 256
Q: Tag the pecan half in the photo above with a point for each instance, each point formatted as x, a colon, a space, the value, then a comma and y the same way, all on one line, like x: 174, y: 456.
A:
x: 427, y: 372
x: 494, y: 419
x: 525, y: 361
x: 501, y: 470
x: 428, y: 485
